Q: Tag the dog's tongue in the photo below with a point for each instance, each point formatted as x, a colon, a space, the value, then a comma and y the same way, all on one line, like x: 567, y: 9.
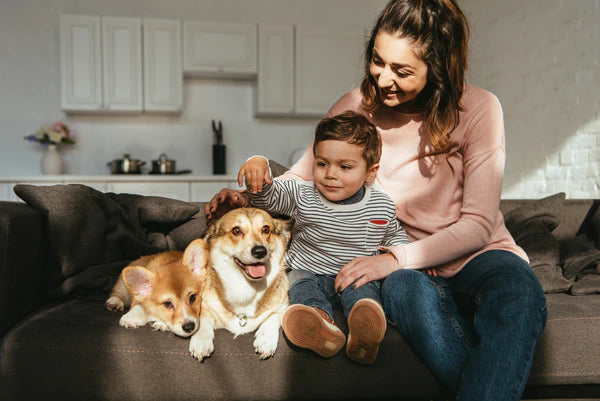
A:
x: 256, y: 271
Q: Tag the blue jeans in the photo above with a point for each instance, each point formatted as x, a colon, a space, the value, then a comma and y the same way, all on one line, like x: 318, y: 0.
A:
x: 318, y: 290
x: 476, y: 331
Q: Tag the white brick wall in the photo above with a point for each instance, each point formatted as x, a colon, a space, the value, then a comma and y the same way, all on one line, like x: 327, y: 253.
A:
x: 542, y: 59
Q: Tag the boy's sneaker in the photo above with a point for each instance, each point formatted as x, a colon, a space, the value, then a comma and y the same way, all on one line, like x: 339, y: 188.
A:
x: 312, y: 328
x: 366, y: 329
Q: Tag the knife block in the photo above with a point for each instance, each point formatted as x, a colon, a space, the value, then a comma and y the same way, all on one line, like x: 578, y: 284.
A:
x: 218, y: 153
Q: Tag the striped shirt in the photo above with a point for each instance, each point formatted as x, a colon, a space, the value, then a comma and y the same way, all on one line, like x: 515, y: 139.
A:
x: 326, y: 235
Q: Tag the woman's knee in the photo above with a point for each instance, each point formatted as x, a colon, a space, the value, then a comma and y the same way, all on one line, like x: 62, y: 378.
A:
x: 521, y: 283
x: 409, y: 289
x: 518, y: 295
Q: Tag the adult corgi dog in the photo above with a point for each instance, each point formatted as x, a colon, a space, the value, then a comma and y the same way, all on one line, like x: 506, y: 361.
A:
x: 246, y: 285
x: 164, y: 290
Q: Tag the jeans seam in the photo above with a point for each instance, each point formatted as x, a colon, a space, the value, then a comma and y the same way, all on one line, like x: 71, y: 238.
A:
x: 453, y: 321
x: 525, y: 378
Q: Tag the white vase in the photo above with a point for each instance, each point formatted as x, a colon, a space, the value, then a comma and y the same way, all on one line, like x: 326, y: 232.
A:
x: 51, y: 161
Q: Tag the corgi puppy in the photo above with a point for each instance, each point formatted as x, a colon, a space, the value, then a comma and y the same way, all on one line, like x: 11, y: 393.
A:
x: 246, y: 288
x: 164, y: 290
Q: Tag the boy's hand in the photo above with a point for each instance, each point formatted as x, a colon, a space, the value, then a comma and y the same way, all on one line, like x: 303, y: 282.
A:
x: 256, y: 171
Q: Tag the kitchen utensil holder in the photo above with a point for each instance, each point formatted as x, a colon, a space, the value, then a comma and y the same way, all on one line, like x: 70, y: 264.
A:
x: 219, y: 153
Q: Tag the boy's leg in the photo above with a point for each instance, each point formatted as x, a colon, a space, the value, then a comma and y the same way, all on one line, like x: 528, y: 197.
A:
x: 308, y: 321
x: 366, y: 321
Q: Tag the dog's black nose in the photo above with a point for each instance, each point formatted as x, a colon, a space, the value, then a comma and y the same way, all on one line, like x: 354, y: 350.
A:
x: 259, y: 252
x: 188, y: 327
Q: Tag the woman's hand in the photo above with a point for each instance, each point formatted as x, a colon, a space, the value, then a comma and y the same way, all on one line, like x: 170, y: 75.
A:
x: 224, y: 201
x: 365, y: 269
x: 256, y: 171
x: 431, y: 271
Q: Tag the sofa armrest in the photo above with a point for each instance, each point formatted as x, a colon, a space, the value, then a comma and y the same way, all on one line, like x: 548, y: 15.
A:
x: 23, y: 252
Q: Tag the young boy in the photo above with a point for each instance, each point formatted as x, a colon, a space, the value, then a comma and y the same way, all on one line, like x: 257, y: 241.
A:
x: 339, y: 216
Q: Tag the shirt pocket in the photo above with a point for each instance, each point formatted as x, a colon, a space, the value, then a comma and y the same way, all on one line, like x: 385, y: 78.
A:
x: 375, y: 234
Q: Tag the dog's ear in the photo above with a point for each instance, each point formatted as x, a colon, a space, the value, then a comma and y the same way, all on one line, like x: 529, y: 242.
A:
x: 195, y: 256
x: 211, y: 231
x: 139, y: 281
x: 283, y: 226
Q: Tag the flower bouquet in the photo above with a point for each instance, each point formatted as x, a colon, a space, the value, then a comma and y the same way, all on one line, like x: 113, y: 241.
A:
x: 53, y: 134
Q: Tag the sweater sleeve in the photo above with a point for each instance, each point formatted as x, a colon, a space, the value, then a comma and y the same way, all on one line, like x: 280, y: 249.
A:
x: 279, y: 197
x: 483, y: 155
x: 395, y: 234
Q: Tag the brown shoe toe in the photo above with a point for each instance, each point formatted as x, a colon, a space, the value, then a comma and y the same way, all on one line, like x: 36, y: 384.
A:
x: 366, y: 325
x: 307, y: 328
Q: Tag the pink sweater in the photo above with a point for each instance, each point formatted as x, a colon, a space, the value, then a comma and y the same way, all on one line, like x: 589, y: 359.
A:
x: 447, y: 201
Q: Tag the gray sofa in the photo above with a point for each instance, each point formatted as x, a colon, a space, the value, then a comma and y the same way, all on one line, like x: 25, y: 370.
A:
x: 61, y: 252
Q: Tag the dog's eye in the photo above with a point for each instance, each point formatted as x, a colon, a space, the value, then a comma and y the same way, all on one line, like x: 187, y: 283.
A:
x: 192, y: 298
x: 168, y: 304
x: 236, y: 231
x: 266, y: 229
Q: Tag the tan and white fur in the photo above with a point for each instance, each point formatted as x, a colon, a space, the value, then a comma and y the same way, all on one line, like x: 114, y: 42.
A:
x: 164, y: 290
x: 246, y: 285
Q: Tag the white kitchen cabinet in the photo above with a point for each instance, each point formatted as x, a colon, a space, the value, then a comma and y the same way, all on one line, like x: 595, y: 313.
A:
x: 275, y: 84
x: 102, y: 68
x: 163, y: 70
x: 80, y: 63
x: 122, y: 63
x: 324, y: 64
x: 328, y: 64
x: 6, y: 192
x: 216, y: 49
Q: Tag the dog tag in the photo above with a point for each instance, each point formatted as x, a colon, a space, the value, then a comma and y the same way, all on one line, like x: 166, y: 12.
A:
x: 242, y: 319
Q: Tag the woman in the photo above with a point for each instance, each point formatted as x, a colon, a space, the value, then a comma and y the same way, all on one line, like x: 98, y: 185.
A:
x: 442, y: 164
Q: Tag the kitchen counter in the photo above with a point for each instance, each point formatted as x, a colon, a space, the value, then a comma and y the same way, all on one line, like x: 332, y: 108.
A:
x: 186, y: 187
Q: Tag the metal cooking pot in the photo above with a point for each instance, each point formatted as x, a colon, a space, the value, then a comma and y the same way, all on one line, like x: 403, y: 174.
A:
x: 163, y: 165
x: 126, y: 165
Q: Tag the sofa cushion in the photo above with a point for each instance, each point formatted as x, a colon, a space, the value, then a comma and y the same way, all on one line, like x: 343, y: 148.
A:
x: 568, y: 351
x: 77, y: 348
x: 276, y: 168
x: 547, y: 210
x: 531, y: 226
x: 578, y: 253
x: 95, y: 234
x: 587, y: 281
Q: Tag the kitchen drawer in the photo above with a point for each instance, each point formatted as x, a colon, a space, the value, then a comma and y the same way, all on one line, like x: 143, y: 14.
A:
x: 204, y: 191
x: 6, y: 192
x: 173, y: 190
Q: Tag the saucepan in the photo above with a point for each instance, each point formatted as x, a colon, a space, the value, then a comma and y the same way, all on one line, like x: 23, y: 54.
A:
x: 126, y: 165
x: 164, y: 165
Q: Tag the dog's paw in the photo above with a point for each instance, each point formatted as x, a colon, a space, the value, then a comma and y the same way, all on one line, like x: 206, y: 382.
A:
x: 114, y: 304
x: 265, y: 345
x: 201, y: 348
x: 131, y: 322
x: 159, y: 326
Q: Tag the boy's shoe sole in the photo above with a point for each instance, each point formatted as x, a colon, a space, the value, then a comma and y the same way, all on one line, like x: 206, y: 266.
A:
x: 305, y: 327
x: 366, y: 326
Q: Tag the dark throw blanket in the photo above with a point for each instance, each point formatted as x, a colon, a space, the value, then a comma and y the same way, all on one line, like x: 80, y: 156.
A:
x: 93, y: 235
